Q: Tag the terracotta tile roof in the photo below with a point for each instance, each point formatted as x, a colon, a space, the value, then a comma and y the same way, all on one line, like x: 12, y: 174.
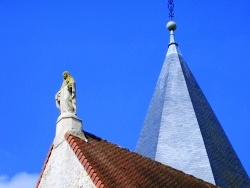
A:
x: 111, y: 166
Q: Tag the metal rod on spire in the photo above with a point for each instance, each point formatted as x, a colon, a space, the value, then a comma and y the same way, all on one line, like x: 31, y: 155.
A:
x: 171, y: 9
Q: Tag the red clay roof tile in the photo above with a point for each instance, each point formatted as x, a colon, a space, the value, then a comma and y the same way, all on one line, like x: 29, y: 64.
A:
x: 111, y: 166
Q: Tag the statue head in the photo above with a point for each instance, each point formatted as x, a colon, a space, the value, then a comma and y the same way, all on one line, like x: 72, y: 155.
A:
x: 65, y: 75
x: 68, y: 79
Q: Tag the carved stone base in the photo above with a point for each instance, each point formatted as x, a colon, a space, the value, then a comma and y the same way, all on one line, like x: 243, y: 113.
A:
x: 65, y: 123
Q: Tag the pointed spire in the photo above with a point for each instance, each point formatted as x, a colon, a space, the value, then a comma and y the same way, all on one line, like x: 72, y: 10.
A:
x: 181, y: 129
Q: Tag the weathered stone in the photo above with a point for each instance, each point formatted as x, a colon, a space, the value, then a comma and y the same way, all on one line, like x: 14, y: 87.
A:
x: 64, y: 170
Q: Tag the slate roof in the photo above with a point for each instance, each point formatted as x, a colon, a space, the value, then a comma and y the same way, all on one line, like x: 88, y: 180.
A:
x: 226, y: 166
x: 111, y: 166
x: 182, y: 131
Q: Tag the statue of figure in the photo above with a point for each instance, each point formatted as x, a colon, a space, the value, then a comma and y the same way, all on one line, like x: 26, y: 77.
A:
x: 66, y: 96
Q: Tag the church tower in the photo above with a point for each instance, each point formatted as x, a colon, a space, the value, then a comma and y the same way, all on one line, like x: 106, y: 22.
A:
x: 181, y: 129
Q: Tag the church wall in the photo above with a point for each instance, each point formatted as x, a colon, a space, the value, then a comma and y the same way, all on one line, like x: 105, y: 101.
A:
x: 64, y: 170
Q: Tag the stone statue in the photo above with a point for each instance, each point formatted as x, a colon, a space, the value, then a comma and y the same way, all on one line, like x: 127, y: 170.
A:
x: 66, y: 96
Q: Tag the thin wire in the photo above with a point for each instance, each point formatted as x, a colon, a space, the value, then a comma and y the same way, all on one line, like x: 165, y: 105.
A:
x: 171, y: 9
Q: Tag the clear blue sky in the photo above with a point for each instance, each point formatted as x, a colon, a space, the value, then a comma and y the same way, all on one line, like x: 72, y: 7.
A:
x: 114, y: 50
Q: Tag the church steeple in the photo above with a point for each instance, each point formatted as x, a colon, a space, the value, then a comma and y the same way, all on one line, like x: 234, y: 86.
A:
x: 181, y: 129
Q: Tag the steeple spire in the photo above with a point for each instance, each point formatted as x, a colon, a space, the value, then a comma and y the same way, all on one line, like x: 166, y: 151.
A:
x: 182, y: 131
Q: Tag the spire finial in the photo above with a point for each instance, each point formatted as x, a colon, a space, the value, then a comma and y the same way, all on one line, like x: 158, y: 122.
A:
x: 171, y: 25
x: 171, y: 9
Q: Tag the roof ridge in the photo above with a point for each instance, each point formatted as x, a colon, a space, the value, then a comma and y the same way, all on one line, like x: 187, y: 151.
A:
x: 119, y: 163
x: 83, y: 160
x: 109, y: 165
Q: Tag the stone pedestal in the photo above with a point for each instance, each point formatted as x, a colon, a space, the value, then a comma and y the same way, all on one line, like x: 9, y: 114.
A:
x: 65, y: 123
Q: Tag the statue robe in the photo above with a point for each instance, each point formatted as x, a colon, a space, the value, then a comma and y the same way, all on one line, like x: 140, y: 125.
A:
x: 65, y: 98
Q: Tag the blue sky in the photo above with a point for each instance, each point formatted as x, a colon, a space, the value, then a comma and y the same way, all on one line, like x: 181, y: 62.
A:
x: 114, y: 50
